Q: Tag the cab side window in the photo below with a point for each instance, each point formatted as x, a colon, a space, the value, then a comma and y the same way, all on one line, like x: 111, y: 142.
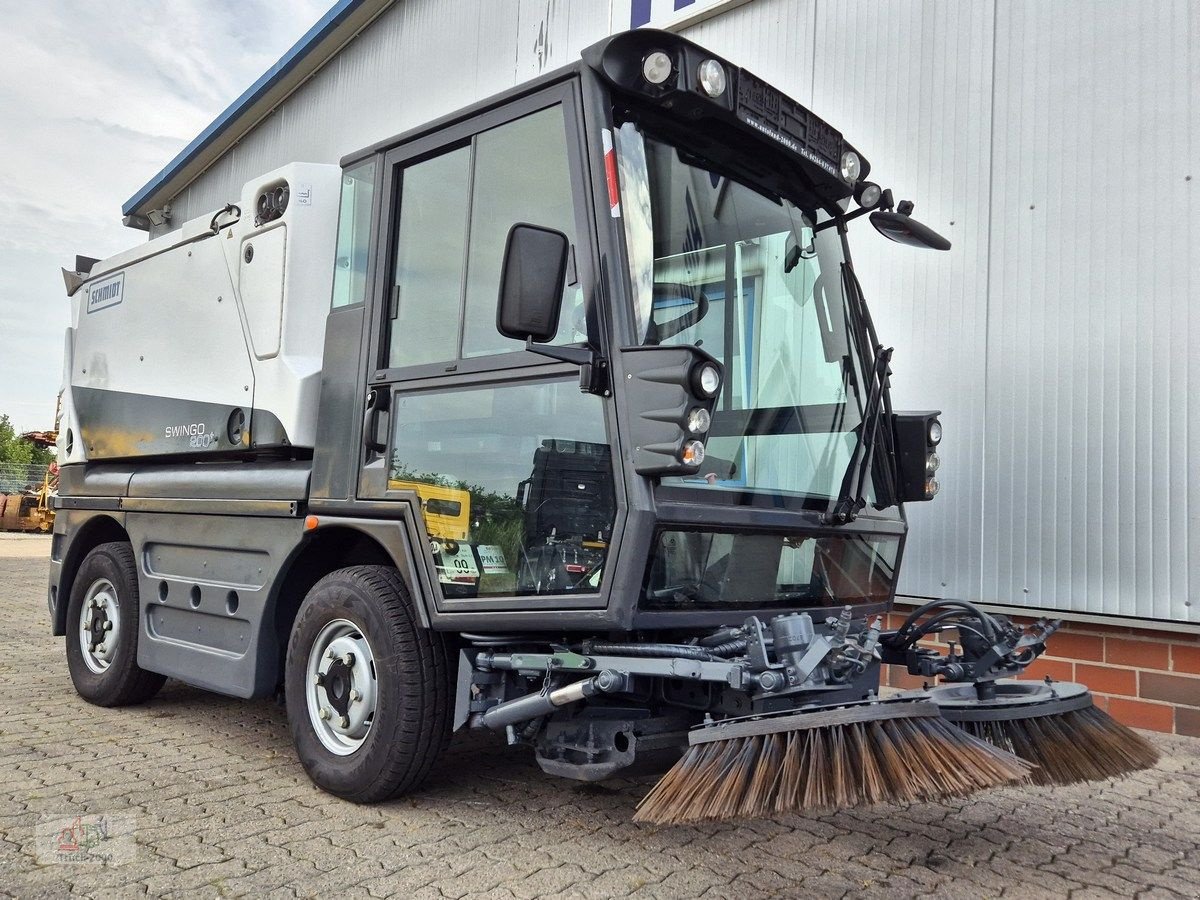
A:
x: 521, y: 175
x: 431, y: 238
x: 455, y: 212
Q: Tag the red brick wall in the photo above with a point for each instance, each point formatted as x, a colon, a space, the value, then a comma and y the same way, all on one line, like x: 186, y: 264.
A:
x: 1142, y: 677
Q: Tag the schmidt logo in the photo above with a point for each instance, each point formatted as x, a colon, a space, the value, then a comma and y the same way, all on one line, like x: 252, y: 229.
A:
x: 104, y: 294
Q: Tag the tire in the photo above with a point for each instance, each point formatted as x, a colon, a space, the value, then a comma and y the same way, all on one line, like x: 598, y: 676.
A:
x: 366, y: 611
x: 108, y: 676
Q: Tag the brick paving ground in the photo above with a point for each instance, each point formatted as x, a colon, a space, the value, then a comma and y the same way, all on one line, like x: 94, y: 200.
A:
x: 222, y: 808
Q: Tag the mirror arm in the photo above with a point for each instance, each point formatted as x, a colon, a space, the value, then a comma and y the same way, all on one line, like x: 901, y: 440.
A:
x: 844, y: 218
x: 593, y: 369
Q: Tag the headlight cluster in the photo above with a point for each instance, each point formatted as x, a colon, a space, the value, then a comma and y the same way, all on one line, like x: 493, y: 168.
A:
x: 706, y: 384
x: 917, y: 435
x: 933, y: 434
x: 671, y: 393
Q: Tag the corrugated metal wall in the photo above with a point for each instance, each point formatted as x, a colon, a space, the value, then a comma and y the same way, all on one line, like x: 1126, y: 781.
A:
x: 1057, y: 146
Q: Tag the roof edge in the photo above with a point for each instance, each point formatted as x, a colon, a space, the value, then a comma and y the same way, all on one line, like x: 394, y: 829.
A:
x: 287, y: 64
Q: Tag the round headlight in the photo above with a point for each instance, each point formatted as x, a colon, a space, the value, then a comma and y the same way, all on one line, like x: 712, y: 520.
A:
x: 935, y: 432
x: 698, y: 420
x: 868, y: 194
x: 692, y: 453
x: 656, y: 67
x: 712, y: 77
x: 851, y: 167
x: 706, y: 380
x: 932, y: 463
x: 931, y: 488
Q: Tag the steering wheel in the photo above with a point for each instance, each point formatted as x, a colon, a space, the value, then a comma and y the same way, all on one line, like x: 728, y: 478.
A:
x: 667, y: 290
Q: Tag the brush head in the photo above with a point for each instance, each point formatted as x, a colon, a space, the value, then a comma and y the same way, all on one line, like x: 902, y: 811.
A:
x: 1056, y: 726
x: 897, y: 751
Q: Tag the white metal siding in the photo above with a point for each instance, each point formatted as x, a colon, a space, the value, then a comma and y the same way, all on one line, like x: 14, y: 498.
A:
x: 1049, y: 142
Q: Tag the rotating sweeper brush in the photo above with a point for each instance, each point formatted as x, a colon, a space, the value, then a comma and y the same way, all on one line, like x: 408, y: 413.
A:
x: 1056, y: 726
x: 894, y: 751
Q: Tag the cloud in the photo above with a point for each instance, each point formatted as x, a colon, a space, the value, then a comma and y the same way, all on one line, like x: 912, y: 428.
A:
x: 95, y: 98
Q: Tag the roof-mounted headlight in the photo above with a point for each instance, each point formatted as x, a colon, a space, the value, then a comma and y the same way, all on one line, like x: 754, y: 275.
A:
x: 851, y: 167
x: 657, y: 67
x: 868, y: 195
x: 712, y: 78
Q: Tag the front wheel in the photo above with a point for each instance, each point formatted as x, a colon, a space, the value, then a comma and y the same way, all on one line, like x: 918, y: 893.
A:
x: 367, y: 688
x: 103, y: 628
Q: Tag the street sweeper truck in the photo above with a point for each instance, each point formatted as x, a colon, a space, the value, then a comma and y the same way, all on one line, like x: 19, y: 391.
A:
x: 562, y: 416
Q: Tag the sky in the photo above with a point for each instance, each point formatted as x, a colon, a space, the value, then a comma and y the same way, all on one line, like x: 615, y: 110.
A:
x: 95, y: 99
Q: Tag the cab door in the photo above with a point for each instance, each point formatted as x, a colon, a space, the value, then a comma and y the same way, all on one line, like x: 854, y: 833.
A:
x: 509, y: 463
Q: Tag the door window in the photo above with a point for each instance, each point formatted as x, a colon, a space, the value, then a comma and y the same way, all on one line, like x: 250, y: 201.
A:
x: 515, y: 482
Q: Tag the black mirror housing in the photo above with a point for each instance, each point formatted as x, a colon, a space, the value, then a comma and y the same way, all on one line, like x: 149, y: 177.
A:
x: 531, y: 283
x: 904, y: 229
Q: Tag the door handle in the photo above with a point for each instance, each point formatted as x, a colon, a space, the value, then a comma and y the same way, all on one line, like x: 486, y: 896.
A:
x: 376, y: 403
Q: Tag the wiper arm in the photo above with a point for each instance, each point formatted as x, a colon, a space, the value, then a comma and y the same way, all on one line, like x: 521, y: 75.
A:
x: 851, y: 500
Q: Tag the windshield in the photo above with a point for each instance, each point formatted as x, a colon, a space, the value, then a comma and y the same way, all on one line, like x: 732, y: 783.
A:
x: 750, y: 279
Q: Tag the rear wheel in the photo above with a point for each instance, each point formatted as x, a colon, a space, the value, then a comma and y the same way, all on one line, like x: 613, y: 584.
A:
x: 102, y: 630
x: 367, y: 688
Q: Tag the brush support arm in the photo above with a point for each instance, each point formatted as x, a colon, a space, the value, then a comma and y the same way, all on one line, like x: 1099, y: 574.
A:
x: 989, y: 646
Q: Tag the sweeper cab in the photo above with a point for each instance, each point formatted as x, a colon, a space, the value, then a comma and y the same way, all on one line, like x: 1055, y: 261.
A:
x: 563, y: 416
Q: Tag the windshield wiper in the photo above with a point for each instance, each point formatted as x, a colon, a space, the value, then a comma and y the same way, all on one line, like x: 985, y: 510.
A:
x: 851, y: 499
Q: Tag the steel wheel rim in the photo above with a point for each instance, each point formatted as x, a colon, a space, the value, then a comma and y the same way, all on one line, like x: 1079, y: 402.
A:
x: 100, y: 625
x: 341, y: 690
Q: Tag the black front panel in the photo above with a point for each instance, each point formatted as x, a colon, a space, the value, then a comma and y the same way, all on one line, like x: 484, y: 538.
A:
x: 694, y: 569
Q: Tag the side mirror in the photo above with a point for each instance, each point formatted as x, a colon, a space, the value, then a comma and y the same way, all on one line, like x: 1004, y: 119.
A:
x: 906, y: 230
x: 531, y: 283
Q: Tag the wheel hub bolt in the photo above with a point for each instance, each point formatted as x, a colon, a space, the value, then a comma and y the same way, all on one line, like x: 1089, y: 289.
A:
x: 319, y: 680
x: 325, y: 712
x: 348, y: 660
x: 108, y: 626
x: 332, y: 654
x: 344, y: 722
x: 355, y: 695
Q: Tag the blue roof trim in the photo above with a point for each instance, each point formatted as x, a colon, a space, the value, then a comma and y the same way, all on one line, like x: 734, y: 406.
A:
x: 330, y: 21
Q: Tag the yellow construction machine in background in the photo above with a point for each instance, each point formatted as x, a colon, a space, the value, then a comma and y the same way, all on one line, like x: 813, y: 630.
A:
x: 27, y: 491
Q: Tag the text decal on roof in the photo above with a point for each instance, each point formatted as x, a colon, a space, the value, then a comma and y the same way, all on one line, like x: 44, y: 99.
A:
x: 106, y: 293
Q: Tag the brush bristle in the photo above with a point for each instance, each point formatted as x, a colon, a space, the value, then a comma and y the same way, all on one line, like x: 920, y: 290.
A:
x: 899, y: 760
x: 1083, y: 745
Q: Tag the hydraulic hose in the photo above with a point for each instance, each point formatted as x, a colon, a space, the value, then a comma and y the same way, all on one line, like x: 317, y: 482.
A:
x: 730, y: 648
x: 984, y: 618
